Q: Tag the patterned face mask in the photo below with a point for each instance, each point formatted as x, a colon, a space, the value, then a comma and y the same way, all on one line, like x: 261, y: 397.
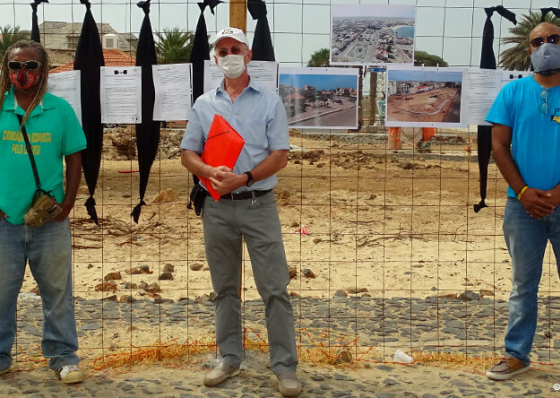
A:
x: 23, y: 79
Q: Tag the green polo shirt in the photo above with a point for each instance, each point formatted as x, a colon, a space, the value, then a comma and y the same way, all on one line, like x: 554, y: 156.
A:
x: 54, y: 132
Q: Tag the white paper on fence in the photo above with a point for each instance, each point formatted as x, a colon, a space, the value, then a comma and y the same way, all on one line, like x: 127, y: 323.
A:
x: 213, y: 76
x: 404, y: 83
x: 320, y: 97
x: 265, y: 74
x: 173, y: 89
x: 67, y: 85
x: 511, y: 75
x: 481, y: 86
x: 121, y: 94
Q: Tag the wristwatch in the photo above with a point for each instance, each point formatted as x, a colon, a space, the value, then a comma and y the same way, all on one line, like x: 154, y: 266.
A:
x: 250, y: 179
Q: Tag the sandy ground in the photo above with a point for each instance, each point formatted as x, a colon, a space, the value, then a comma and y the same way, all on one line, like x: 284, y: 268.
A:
x: 356, y: 217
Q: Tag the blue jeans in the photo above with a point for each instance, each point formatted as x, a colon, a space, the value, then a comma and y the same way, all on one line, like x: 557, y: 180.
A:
x: 526, y: 240
x: 49, y: 251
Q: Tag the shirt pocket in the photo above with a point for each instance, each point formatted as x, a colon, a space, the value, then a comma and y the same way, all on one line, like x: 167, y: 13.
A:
x: 255, y: 132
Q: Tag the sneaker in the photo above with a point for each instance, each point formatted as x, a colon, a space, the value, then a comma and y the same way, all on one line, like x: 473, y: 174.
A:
x: 220, y: 373
x: 288, y: 384
x: 506, y: 369
x: 70, y: 374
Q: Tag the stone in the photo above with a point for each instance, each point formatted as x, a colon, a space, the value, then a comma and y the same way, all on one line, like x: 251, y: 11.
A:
x: 343, y: 356
x: 165, y: 196
x: 308, y: 273
x: 113, y: 276
x: 106, y: 287
x: 141, y: 269
x: 196, y: 266
x: 153, y: 288
x: 168, y: 268
x: 340, y: 294
x: 293, y: 272
x: 469, y: 295
x: 129, y: 285
x: 127, y: 299
x: 166, y: 276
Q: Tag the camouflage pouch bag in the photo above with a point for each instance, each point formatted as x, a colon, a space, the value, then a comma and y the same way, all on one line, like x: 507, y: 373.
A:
x: 44, y: 209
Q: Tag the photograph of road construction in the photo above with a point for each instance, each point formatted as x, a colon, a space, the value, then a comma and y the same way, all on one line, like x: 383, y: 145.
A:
x: 323, y: 99
x: 424, y: 96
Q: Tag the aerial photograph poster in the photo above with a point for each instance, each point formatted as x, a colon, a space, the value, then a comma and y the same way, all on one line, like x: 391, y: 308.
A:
x: 425, y: 97
x: 320, y: 97
x: 368, y: 34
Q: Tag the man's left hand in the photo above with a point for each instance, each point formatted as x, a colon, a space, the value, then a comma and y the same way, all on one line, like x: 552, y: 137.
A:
x: 65, y: 211
x: 553, y: 196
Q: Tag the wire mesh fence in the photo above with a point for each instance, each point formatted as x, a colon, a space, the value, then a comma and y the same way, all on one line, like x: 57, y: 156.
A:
x: 384, y: 248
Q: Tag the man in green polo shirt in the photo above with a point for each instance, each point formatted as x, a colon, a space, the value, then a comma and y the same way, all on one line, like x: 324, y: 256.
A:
x: 55, y: 136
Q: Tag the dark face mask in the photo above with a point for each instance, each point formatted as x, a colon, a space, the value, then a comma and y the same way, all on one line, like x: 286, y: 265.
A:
x: 546, y: 59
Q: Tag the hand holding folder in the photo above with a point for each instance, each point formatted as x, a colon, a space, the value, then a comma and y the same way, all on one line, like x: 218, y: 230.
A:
x: 222, y: 148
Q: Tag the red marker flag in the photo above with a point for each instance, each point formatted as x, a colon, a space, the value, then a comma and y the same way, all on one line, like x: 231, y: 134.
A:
x: 222, y: 148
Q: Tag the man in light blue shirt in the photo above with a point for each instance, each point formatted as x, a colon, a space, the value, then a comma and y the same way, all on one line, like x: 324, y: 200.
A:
x: 526, y: 146
x: 246, y: 209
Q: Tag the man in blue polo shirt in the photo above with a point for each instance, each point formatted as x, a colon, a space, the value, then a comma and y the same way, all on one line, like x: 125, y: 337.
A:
x: 526, y: 147
x: 247, y: 209
x: 55, y: 137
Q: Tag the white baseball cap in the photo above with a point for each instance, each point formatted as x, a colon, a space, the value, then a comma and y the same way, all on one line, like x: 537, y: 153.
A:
x: 233, y: 33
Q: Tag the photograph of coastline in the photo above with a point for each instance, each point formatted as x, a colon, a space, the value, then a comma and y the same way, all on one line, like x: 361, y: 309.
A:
x: 372, y: 34
x: 426, y: 97
x: 320, y: 97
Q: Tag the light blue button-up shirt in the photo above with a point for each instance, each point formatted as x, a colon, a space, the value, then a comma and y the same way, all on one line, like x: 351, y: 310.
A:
x: 257, y: 114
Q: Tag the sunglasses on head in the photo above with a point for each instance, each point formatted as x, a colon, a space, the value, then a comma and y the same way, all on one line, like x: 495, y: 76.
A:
x: 27, y: 65
x: 537, y: 41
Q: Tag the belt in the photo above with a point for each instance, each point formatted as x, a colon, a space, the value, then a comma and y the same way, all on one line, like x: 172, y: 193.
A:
x: 244, y: 195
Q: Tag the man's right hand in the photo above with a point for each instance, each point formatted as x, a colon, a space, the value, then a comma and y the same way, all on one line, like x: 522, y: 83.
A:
x: 537, y: 203
x: 2, y: 214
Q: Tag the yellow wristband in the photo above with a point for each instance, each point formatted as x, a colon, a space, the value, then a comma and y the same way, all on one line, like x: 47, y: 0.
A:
x: 520, y: 194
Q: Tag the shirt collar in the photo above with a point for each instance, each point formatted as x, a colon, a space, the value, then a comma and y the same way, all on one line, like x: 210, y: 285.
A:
x: 10, y: 104
x: 252, y: 86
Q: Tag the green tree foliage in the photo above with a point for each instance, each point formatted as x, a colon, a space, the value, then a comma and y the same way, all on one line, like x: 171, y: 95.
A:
x: 320, y: 58
x: 516, y: 56
x: 423, y: 58
x: 174, y: 46
x: 10, y: 36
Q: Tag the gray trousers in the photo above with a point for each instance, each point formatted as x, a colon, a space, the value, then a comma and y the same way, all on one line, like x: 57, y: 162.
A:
x: 225, y: 223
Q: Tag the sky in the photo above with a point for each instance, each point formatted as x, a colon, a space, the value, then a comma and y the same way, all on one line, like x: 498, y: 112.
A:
x: 321, y: 82
x: 451, y: 29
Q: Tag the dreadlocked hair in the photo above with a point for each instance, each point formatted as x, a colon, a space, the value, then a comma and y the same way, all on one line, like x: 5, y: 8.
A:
x: 6, y: 83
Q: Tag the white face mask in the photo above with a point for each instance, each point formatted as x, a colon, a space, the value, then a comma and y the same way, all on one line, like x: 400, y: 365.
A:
x: 232, y: 65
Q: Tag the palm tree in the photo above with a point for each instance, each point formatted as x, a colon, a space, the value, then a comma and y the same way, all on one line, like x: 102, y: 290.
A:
x: 516, y: 57
x: 10, y: 36
x: 320, y: 58
x: 174, y: 46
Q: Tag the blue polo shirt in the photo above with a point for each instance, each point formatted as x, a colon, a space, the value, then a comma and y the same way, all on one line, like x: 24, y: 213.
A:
x: 257, y: 114
x: 535, y: 141
x: 54, y: 132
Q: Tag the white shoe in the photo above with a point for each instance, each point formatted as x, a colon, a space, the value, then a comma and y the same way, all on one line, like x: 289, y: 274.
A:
x: 70, y: 374
x: 220, y: 373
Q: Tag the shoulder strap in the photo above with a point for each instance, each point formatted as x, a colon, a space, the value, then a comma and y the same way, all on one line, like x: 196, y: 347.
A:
x: 30, y: 152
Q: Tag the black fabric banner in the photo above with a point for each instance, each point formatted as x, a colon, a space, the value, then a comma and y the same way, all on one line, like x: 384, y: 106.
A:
x: 89, y: 60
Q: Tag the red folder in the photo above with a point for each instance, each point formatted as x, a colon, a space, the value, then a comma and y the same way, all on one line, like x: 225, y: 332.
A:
x: 222, y: 148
